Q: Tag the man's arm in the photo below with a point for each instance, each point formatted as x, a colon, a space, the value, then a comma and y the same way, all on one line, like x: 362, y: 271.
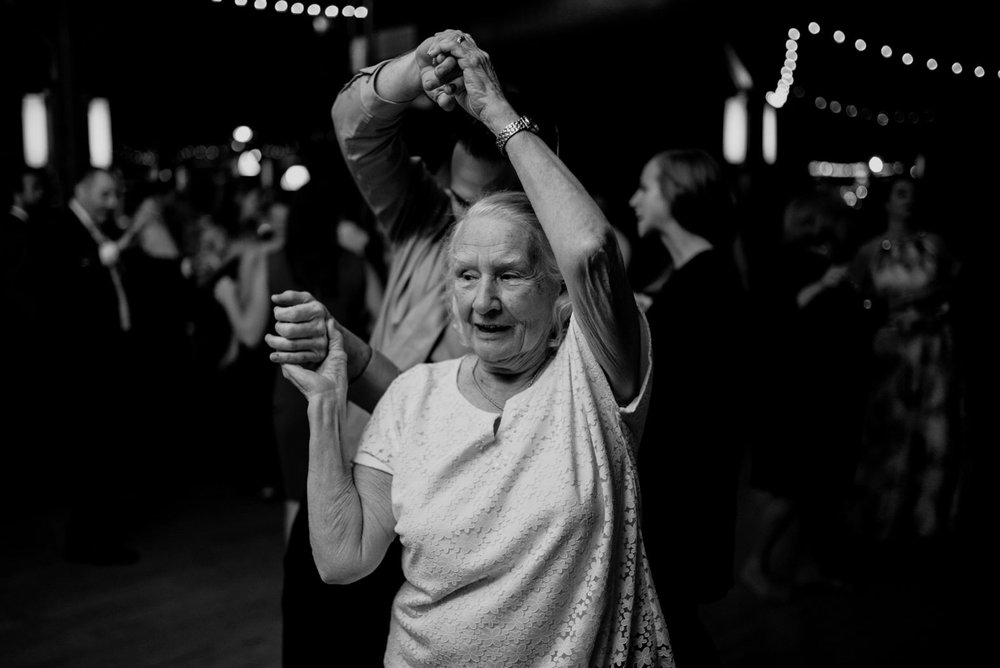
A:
x: 367, y: 117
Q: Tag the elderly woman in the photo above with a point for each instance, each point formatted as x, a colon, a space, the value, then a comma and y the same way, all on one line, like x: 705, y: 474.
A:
x: 509, y: 473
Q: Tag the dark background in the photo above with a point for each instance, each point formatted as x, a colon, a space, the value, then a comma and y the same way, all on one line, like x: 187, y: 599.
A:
x: 624, y: 78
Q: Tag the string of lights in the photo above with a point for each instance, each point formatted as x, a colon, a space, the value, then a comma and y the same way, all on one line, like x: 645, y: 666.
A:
x: 867, y: 113
x: 779, y: 95
x: 311, y: 9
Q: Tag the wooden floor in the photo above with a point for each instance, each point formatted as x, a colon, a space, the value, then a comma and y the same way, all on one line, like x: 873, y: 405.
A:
x: 206, y: 593
x: 916, y: 610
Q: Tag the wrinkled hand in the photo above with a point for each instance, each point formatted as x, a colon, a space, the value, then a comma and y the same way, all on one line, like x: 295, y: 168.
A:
x: 453, y: 69
x: 329, y: 378
x: 440, y: 76
x: 301, y: 333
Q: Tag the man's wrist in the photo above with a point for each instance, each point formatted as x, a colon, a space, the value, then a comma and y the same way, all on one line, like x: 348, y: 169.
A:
x: 396, y: 69
x: 373, y: 381
x: 360, y: 370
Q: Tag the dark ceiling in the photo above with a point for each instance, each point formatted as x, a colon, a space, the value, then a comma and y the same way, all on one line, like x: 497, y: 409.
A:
x: 625, y: 76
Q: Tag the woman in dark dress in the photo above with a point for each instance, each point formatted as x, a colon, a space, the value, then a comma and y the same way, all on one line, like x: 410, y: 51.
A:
x: 697, y: 428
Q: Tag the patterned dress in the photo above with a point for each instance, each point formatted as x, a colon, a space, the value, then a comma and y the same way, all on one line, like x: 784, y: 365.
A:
x: 521, y: 547
x: 907, y: 481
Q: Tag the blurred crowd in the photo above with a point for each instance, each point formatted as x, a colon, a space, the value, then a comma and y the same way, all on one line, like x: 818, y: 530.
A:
x: 822, y: 345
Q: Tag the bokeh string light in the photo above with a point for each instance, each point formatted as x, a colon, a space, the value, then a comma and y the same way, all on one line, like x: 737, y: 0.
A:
x: 312, y: 10
x: 882, y: 117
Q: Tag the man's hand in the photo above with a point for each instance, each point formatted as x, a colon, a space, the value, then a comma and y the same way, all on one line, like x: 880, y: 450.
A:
x: 463, y: 74
x: 329, y: 378
x: 301, y: 331
x: 440, y: 74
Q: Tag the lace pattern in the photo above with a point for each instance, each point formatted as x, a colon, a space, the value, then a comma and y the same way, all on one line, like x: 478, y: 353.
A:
x: 523, y: 548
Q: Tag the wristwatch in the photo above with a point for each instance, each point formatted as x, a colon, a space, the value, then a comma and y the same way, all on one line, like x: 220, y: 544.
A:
x: 511, y: 129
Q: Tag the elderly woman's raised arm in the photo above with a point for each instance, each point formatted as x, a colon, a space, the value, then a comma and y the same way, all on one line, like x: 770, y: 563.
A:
x: 583, y: 240
x: 586, y: 249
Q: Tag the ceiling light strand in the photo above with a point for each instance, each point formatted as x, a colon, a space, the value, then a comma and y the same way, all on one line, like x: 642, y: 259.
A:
x: 310, y: 10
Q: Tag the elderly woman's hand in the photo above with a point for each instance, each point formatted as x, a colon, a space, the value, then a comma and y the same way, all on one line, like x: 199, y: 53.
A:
x: 455, y: 70
x: 329, y: 380
x: 300, y: 333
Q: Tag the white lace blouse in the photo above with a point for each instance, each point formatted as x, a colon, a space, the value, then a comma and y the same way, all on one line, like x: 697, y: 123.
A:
x: 521, y: 548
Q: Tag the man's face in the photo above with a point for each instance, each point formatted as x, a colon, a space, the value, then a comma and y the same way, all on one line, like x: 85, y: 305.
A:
x: 32, y: 191
x: 99, y: 197
x: 470, y: 177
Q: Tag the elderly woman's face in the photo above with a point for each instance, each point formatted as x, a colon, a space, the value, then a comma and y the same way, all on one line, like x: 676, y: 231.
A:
x: 503, y: 301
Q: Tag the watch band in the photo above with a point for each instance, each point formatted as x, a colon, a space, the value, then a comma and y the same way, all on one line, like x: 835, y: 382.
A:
x: 511, y: 129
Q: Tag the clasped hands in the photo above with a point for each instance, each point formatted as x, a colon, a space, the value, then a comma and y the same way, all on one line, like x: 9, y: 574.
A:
x: 308, y: 346
x: 454, y: 70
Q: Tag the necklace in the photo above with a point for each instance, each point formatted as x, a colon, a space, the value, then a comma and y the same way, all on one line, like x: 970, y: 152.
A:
x: 482, y: 390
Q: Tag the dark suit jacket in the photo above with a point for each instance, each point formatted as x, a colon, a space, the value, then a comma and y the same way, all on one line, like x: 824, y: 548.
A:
x: 80, y: 283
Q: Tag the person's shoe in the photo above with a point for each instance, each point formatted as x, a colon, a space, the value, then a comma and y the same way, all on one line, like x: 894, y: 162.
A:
x: 108, y: 554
